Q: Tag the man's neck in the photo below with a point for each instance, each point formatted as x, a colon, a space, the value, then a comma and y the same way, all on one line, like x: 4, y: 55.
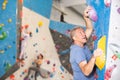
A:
x: 79, y: 44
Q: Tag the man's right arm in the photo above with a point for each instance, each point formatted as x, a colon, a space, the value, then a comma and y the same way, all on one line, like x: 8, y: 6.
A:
x: 87, y: 68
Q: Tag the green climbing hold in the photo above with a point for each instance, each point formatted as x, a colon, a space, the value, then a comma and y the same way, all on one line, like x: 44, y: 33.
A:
x: 118, y: 55
x: 0, y: 27
x: 3, y: 35
x: 8, y: 66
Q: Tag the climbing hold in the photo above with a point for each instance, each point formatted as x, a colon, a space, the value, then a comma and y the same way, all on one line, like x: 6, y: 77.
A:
x: 12, y: 77
x: 114, y: 57
x: 67, y: 31
x: 21, y: 76
x: 51, y: 75
x: 54, y: 65
x: 61, y: 67
x: 26, y: 26
x: 33, y: 63
x: 26, y: 79
x: 9, y: 20
x: 36, y: 30
x: 48, y: 62
x: 5, y: 49
x: 30, y: 34
x: 35, y: 44
x: 31, y: 76
x: 14, y: 57
x: 118, y: 10
x: 93, y: 15
x: 3, y: 35
x: 109, y: 71
x: 64, y: 52
x: 25, y: 70
x: 8, y: 66
x: 62, y: 76
x: 6, y: 1
x: 0, y: 28
x: 107, y: 3
x: 2, y: 51
x: 9, y: 46
x: 94, y: 37
x: 118, y: 55
x: 4, y: 4
x: 53, y: 69
x: 40, y: 23
x: 1, y: 25
x: 100, y: 61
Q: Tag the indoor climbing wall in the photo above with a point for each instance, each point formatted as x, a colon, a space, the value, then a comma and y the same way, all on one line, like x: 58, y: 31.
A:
x: 35, y: 39
x: 60, y: 33
x: 8, y: 35
x: 113, y: 54
x: 100, y: 16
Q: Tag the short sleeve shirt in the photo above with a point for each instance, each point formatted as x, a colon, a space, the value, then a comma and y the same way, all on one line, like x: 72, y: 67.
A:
x: 77, y: 55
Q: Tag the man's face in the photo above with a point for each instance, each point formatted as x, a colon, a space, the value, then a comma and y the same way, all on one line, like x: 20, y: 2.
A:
x: 80, y: 36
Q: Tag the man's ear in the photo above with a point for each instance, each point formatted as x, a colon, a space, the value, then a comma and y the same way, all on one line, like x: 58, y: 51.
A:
x: 74, y: 38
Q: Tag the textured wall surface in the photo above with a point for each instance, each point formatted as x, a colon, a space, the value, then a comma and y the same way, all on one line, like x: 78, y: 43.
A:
x: 39, y: 41
x: 8, y: 46
x: 54, y: 43
x: 113, y: 54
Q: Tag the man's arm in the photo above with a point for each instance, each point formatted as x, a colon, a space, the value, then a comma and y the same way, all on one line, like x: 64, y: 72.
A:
x: 87, y: 68
x: 89, y: 26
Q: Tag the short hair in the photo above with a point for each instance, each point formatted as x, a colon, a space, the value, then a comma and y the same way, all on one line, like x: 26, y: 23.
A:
x: 72, y: 32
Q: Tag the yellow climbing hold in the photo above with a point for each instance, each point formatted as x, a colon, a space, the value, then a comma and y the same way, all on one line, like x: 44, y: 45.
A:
x: 40, y: 23
x: 1, y: 25
x: 100, y: 61
x: 2, y: 51
x: 9, y: 20
x: 4, y: 4
x: 9, y: 46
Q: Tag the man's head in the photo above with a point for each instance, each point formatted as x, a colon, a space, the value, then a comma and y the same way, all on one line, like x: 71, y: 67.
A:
x: 78, y: 35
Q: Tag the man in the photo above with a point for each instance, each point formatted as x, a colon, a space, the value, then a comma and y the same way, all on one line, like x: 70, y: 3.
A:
x: 81, y: 59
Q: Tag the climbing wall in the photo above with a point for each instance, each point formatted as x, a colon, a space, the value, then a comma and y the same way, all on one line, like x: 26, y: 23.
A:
x: 60, y: 33
x: 37, y: 39
x: 113, y: 54
x: 101, y: 29
x: 8, y: 35
x: 107, y: 37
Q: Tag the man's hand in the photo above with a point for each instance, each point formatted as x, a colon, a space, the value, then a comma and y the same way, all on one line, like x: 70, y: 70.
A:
x: 86, y: 12
x: 97, y: 52
x: 89, y: 26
